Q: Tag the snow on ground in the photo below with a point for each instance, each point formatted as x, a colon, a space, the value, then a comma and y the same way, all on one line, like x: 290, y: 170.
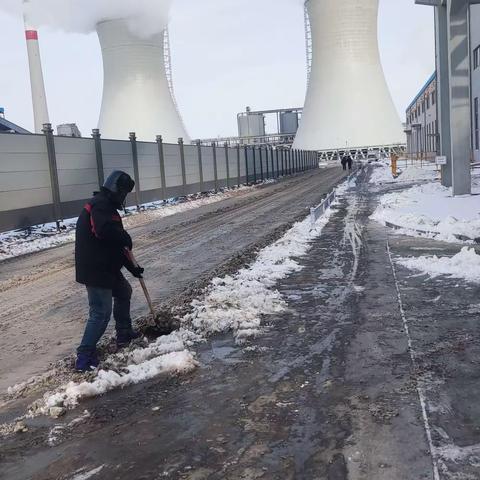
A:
x: 83, y: 474
x: 431, y: 208
x: 464, y: 265
x: 383, y: 173
x: 235, y: 303
x: 42, y: 237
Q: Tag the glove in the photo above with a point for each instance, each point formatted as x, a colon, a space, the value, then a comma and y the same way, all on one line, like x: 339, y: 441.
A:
x: 137, y: 272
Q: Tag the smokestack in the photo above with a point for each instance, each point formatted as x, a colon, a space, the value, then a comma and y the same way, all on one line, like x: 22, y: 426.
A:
x: 39, y: 99
x: 136, y: 93
x: 348, y: 103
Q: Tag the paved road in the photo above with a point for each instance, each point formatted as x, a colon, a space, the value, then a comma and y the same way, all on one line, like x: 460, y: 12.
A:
x: 43, y: 310
x: 330, y: 393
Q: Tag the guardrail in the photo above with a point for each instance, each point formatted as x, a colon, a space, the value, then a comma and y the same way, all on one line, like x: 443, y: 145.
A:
x: 318, y: 211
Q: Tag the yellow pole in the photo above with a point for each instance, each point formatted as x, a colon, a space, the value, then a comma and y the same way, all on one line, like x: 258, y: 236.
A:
x: 394, y: 159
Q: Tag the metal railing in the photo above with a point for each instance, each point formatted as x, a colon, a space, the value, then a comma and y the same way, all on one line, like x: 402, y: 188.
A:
x: 272, y: 139
x: 318, y: 211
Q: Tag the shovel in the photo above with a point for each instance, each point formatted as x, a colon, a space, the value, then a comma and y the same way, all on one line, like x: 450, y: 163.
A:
x: 142, y: 283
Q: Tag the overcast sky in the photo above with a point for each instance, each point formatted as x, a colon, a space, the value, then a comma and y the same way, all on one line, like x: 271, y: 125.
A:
x: 227, y: 54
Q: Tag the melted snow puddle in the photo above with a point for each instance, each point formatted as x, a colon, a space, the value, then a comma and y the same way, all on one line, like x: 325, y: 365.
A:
x: 233, y: 303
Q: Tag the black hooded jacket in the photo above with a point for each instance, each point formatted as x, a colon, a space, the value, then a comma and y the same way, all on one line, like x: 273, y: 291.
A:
x: 100, y: 243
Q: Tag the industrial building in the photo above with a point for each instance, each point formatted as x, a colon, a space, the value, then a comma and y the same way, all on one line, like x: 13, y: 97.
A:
x: 422, y: 114
x: 8, y: 127
x: 422, y: 121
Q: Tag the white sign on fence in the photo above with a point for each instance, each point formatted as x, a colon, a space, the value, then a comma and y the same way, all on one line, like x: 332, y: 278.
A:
x: 441, y: 160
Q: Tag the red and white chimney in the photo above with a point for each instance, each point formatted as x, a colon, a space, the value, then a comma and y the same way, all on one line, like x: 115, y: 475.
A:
x: 39, y: 100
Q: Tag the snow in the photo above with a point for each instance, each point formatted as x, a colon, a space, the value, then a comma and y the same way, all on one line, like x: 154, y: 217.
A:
x: 408, y: 174
x: 235, y: 303
x: 464, y: 265
x: 82, y: 474
x: 431, y: 208
x: 238, y: 302
x: 106, y: 380
x: 45, y: 236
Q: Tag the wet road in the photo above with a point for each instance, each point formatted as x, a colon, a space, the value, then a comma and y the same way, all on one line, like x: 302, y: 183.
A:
x: 39, y: 296
x: 328, y: 392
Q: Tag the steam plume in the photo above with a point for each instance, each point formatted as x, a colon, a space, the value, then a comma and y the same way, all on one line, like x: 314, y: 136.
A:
x: 145, y: 17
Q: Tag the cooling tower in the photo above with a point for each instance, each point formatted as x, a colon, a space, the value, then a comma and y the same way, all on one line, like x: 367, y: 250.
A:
x: 39, y: 100
x: 348, y: 103
x: 136, y: 93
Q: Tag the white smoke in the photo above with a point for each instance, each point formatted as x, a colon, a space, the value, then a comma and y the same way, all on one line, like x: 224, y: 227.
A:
x: 145, y: 17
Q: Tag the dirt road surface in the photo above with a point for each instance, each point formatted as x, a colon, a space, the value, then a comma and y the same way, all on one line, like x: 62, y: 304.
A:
x: 337, y: 387
x: 43, y: 311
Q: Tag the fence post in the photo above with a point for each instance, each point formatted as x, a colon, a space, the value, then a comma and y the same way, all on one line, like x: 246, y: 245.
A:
x: 182, y: 162
x: 254, y: 165
x: 261, y: 162
x: 200, y: 165
x: 99, y: 156
x: 267, y: 156
x: 227, y: 164
x: 290, y: 161
x: 161, y: 158
x: 136, y: 173
x: 245, y: 152
x: 215, y: 169
x: 271, y: 158
x: 278, y: 162
x: 239, y: 173
x: 52, y: 166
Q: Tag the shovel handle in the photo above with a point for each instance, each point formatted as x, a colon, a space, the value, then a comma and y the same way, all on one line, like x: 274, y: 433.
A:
x: 132, y: 259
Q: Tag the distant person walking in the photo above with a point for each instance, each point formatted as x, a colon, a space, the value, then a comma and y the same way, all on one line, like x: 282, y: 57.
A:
x: 344, y: 162
x: 350, y: 162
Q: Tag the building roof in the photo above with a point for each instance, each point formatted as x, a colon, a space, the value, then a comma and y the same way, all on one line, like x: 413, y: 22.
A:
x: 6, y: 126
x: 422, y: 91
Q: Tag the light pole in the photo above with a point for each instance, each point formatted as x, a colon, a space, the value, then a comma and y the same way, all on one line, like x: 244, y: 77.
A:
x: 452, y: 32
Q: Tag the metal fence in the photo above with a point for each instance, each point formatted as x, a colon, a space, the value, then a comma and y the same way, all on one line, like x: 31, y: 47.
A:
x: 44, y: 178
x: 319, y: 210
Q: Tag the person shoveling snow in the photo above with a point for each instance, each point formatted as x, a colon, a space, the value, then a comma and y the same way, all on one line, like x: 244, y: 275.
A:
x: 101, y: 249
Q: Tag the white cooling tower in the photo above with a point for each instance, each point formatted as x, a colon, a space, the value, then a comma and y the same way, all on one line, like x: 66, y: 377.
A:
x: 136, y: 93
x: 348, y: 103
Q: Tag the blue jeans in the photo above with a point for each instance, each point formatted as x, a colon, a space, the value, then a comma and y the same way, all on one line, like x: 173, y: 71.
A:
x: 100, y: 302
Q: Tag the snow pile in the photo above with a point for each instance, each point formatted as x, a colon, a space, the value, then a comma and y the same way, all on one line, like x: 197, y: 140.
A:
x: 234, y: 303
x: 35, y: 239
x: 408, y: 174
x: 382, y: 173
x: 431, y: 209
x: 106, y: 380
x: 45, y: 236
x: 464, y: 265
x: 238, y: 302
